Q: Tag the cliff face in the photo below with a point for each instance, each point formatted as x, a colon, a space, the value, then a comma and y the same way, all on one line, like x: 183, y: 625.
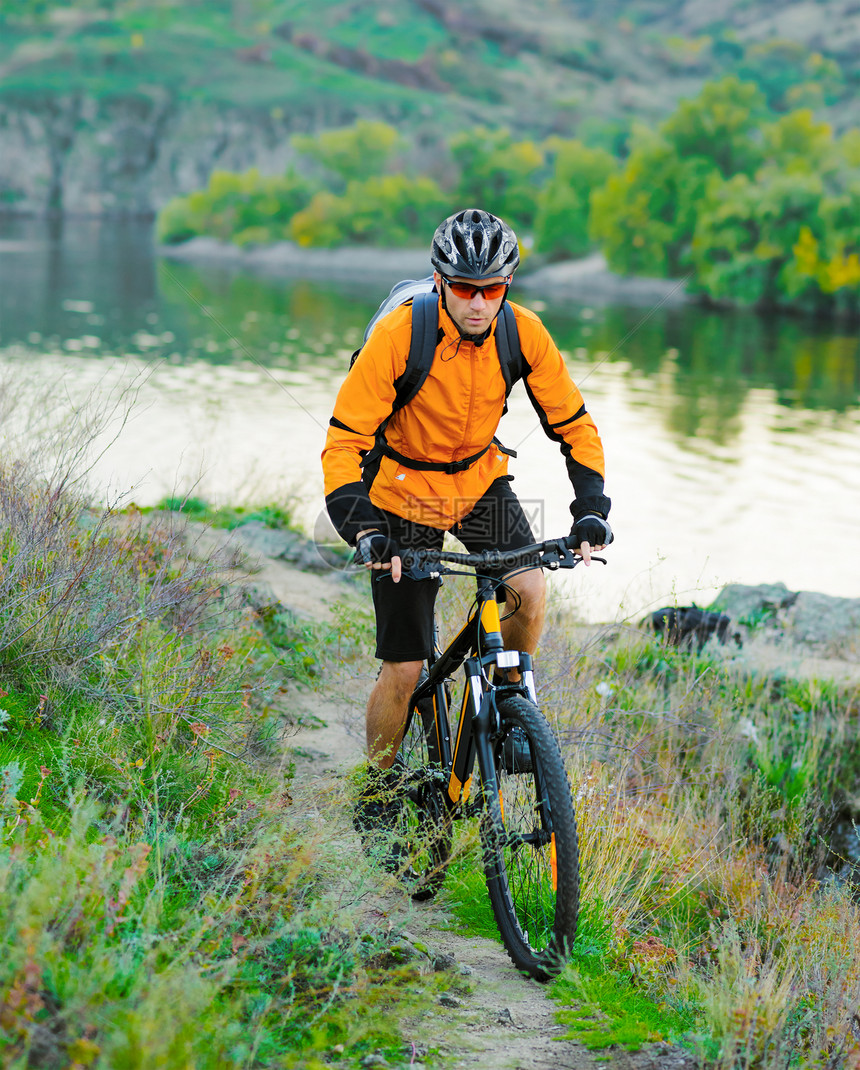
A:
x: 126, y: 156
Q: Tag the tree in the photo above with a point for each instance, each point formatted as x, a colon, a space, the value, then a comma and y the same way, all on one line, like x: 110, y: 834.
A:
x: 645, y: 216
x: 719, y: 125
x: 236, y: 207
x: 747, y: 231
x: 497, y: 174
x: 386, y: 210
x: 352, y: 152
x: 564, y: 204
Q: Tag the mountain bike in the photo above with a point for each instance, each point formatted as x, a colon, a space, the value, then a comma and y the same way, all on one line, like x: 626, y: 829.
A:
x: 522, y: 796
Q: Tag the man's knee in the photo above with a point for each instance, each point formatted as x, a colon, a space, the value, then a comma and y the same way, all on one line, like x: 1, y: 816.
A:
x: 531, y: 589
x: 400, y: 676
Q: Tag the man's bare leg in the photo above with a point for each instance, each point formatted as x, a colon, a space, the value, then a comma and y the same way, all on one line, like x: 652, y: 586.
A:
x: 523, y: 630
x: 387, y: 708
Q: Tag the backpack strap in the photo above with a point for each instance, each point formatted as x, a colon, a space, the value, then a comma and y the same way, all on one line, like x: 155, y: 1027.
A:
x: 508, y: 347
x: 422, y: 349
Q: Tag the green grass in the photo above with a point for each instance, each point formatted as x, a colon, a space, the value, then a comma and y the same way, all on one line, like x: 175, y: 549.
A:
x: 600, y: 1003
x: 273, y: 515
x: 602, y: 1009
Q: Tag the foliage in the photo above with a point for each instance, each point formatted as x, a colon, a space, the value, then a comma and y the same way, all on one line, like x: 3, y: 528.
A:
x: 602, y: 1008
x: 760, y: 209
x: 564, y: 203
x: 645, y: 216
x: 356, y: 152
x: 704, y: 798
x: 387, y: 210
x: 273, y: 515
x: 162, y: 903
x: 242, y: 208
x: 497, y: 173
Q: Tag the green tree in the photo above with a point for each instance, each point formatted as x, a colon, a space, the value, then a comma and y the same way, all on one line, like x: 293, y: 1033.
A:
x: 352, y: 152
x: 498, y: 174
x: 564, y: 203
x: 720, y: 126
x: 747, y: 230
x: 791, y: 233
x: 796, y: 141
x: 386, y: 210
x: 645, y: 216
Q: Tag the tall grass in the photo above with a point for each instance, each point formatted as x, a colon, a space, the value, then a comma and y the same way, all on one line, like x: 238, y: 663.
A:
x: 706, y: 796
x: 163, y: 902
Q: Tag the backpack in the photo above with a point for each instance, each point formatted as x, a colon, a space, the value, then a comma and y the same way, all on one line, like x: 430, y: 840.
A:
x: 423, y: 295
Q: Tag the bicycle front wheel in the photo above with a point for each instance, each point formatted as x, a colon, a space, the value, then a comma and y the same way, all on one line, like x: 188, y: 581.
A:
x: 530, y: 842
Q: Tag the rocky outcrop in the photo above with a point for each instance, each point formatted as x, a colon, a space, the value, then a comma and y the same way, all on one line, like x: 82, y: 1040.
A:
x: 127, y: 155
x: 822, y: 623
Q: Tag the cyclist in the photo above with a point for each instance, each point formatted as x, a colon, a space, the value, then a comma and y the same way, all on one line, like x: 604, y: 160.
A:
x: 441, y: 468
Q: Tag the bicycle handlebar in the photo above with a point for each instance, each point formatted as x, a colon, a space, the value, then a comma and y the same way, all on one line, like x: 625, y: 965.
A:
x: 551, y: 554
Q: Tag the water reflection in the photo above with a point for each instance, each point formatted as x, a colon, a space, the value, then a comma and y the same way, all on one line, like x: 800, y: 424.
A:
x: 708, y: 360
x: 84, y: 286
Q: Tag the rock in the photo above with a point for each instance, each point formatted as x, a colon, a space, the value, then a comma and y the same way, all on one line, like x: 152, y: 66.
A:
x: 753, y: 605
x: 270, y: 542
x: 443, y: 962
x: 447, y: 1000
x: 281, y: 544
x: 374, y: 1059
x: 823, y: 623
x: 820, y: 619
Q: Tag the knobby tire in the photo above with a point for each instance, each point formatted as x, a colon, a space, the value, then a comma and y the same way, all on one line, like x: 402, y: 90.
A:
x: 532, y: 815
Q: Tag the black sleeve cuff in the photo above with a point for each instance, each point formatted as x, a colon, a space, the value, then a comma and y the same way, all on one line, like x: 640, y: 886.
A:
x: 351, y: 510
x: 597, y: 503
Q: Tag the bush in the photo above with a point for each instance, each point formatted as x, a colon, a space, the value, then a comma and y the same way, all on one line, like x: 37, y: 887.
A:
x: 243, y: 208
x: 389, y: 210
x: 353, y: 153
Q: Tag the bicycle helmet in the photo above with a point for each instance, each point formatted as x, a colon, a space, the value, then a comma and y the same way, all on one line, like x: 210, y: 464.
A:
x: 474, y: 245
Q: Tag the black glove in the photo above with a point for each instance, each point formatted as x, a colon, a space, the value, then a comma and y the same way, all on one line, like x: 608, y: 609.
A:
x: 592, y: 529
x: 375, y: 547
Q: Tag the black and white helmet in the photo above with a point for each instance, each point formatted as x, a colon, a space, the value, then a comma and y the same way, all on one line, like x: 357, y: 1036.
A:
x: 474, y: 245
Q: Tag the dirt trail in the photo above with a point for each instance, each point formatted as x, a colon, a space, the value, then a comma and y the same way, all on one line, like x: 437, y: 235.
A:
x: 497, y: 1019
x: 494, y: 1019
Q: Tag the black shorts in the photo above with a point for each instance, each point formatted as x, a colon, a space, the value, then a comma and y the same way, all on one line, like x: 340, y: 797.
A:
x: 404, y: 610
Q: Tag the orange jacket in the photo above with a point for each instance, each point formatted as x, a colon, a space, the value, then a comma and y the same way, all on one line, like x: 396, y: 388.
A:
x: 454, y: 415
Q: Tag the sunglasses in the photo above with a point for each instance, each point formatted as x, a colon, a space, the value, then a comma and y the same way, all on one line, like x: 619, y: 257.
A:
x: 467, y: 291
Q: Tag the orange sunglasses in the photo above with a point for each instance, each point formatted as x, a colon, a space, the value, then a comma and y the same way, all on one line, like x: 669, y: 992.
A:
x: 467, y: 291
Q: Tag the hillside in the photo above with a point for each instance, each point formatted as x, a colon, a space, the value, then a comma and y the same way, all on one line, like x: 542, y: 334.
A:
x: 120, y: 106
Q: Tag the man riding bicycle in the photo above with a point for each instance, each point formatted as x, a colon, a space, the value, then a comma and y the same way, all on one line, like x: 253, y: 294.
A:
x: 399, y: 480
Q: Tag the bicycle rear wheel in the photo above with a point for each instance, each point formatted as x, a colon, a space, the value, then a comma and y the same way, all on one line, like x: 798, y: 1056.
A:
x: 424, y: 830
x: 530, y: 842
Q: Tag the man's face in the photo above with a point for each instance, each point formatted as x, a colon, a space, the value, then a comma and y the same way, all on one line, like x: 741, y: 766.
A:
x: 473, y: 314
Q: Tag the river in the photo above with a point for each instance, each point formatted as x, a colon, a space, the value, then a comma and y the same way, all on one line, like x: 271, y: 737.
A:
x: 732, y: 440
